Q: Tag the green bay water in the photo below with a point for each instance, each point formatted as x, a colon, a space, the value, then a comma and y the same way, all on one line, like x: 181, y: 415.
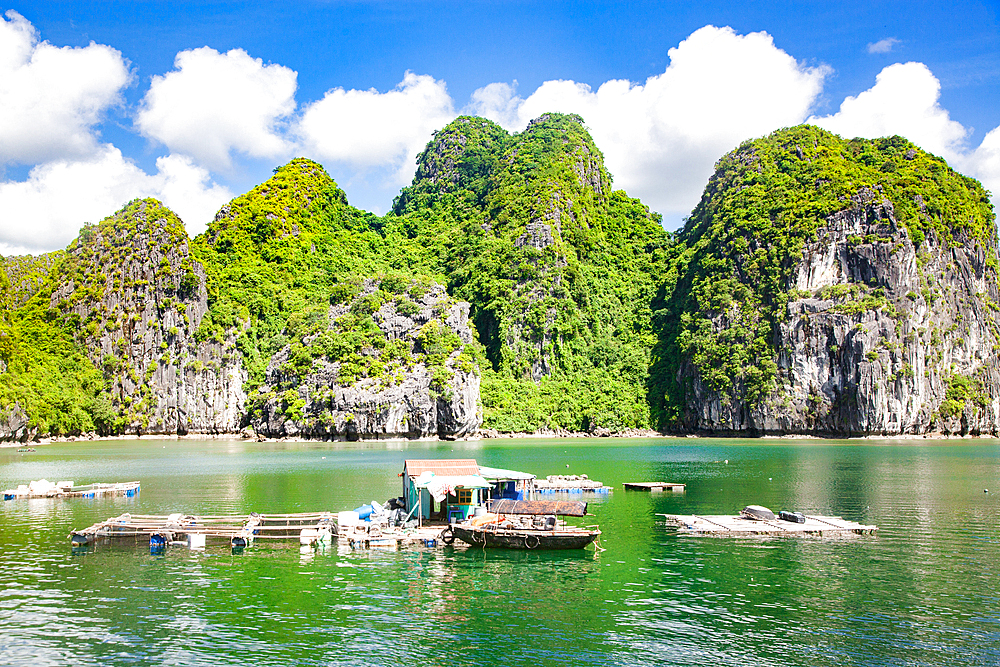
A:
x: 924, y: 591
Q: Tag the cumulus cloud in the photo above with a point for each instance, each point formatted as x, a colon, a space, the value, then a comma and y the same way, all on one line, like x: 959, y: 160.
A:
x: 903, y: 101
x: 47, y: 210
x: 883, y: 45
x: 213, y: 104
x: 51, y: 97
x: 984, y: 164
x: 661, y: 139
x: 366, y: 129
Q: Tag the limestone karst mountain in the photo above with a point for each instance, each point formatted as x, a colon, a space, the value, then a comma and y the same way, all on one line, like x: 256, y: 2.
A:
x: 822, y: 286
x: 832, y: 287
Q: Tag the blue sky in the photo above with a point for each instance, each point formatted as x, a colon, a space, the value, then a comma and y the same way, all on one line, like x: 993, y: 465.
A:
x: 110, y: 100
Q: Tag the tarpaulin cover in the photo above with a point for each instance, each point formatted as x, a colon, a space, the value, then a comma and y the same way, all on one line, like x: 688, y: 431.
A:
x: 558, y: 507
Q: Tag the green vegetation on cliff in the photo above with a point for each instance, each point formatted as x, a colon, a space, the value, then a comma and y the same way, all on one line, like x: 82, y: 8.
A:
x: 280, y: 250
x: 588, y: 314
x: 735, y: 255
x: 72, y: 365
x: 559, y: 269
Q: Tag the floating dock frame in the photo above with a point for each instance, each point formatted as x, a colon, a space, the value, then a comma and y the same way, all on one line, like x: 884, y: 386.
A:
x: 159, y: 531
x: 68, y: 490
x: 725, y: 526
x: 653, y: 487
x: 194, y: 531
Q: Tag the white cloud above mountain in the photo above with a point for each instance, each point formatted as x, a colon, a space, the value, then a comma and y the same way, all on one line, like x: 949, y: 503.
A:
x: 58, y: 197
x: 50, y: 97
x: 216, y: 112
x: 661, y: 138
x: 367, y: 129
x: 214, y: 104
x: 903, y: 101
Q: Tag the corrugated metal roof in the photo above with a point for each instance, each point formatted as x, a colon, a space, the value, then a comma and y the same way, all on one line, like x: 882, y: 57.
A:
x: 453, y: 467
x: 500, y: 473
x: 560, y: 507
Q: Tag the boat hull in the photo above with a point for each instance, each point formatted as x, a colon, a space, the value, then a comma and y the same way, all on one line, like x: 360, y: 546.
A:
x: 528, y: 540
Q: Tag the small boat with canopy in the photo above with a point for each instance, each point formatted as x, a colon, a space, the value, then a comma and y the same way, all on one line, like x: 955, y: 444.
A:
x: 525, y: 524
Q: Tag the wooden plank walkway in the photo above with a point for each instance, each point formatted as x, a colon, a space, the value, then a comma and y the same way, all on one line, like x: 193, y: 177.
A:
x: 721, y: 525
x: 653, y: 486
x: 68, y: 490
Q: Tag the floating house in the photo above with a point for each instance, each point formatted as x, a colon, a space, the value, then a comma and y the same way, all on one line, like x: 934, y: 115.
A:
x: 458, y: 486
x: 454, y: 484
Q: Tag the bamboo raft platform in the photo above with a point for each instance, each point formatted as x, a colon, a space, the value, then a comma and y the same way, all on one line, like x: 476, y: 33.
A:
x: 194, y: 531
x: 45, y: 489
x: 653, y: 487
x: 726, y: 526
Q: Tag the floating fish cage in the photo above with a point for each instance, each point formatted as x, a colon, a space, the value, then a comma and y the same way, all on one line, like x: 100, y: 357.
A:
x: 240, y: 531
x: 561, y: 484
x: 66, y: 489
x: 602, y: 490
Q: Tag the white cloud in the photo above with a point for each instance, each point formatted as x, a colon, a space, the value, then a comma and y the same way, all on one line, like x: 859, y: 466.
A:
x: 661, y: 139
x: 903, y: 101
x: 984, y: 164
x: 47, y: 210
x: 367, y: 129
x: 883, y: 45
x: 51, y: 97
x: 213, y: 104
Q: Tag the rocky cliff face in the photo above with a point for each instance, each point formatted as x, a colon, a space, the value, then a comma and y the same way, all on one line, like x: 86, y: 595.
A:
x: 384, y: 364
x: 22, y: 276
x: 136, y: 298
x: 889, y: 324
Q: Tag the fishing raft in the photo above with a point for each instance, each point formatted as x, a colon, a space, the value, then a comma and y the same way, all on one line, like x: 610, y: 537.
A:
x: 194, y: 531
x: 45, y: 489
x: 756, y: 520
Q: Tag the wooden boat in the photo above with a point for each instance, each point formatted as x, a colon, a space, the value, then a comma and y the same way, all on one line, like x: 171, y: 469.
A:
x: 498, y: 538
x: 524, y: 524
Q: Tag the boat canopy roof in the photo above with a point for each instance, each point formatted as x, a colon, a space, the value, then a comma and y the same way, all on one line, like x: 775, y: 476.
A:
x: 451, y: 481
x: 558, y: 507
x: 497, y: 474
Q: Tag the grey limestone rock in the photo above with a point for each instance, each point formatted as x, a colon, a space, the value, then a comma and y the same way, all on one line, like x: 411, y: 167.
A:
x: 412, y: 402
x: 139, y: 311
x: 14, y: 425
x: 884, y: 338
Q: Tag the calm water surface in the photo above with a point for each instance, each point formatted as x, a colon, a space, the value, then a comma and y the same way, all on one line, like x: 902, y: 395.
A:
x: 924, y: 591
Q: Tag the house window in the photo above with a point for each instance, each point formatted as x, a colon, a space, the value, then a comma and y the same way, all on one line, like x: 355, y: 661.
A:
x: 464, y: 496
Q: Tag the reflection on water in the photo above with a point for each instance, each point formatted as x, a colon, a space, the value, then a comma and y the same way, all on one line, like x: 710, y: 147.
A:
x: 924, y: 591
